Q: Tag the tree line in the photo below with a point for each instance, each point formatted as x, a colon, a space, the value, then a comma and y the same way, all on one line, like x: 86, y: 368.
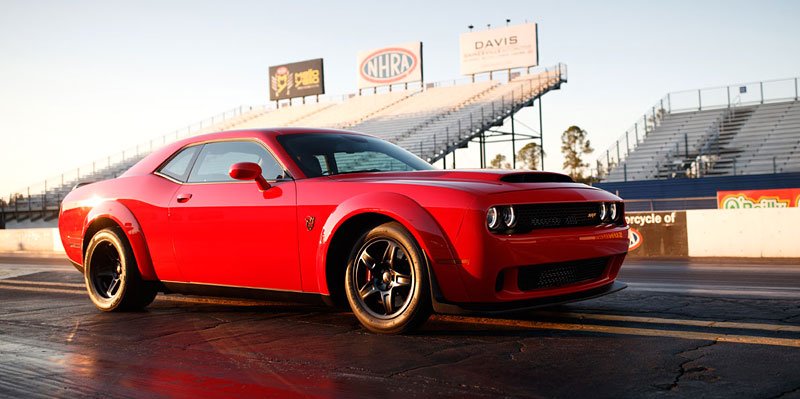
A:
x: 575, y: 145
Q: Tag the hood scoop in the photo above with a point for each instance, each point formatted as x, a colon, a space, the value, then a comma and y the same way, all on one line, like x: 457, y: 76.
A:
x: 538, y: 177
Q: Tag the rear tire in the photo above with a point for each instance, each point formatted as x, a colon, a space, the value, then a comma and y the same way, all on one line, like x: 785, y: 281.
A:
x: 112, y: 276
x: 386, y: 281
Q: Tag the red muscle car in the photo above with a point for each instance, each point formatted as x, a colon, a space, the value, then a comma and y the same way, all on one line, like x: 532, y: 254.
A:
x: 344, y: 217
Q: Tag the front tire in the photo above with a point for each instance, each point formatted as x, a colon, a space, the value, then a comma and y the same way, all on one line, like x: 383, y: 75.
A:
x: 386, y: 281
x: 112, y: 276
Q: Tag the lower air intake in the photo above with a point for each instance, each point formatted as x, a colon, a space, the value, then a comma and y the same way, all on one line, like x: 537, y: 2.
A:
x: 552, y: 275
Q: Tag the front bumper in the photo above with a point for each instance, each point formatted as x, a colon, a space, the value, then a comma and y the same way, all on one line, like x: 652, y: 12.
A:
x: 516, y: 306
x: 489, y: 266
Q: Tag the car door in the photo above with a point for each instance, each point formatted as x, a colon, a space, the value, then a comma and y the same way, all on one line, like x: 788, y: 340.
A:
x: 229, y: 232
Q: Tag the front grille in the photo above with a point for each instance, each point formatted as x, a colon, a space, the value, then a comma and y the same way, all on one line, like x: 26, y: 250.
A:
x: 542, y: 216
x: 552, y: 275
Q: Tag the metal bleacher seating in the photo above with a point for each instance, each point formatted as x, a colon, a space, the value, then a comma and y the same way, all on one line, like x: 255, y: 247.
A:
x: 770, y: 140
x: 423, y: 108
x: 283, y: 116
x: 644, y: 162
x: 737, y: 140
x: 355, y: 109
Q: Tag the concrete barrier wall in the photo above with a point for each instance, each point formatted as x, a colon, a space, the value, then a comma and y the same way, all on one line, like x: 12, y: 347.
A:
x: 657, y: 234
x: 748, y: 233
x: 34, y: 241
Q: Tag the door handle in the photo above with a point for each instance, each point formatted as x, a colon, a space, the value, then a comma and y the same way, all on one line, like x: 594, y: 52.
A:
x: 184, y: 198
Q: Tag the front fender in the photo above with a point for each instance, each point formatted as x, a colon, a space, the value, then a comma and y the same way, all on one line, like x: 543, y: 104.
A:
x: 125, y: 219
x: 428, y: 233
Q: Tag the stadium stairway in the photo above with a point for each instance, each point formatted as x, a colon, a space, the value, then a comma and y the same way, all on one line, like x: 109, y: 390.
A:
x: 709, y: 151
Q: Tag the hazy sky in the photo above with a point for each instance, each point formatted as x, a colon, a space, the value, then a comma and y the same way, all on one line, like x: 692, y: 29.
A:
x: 80, y: 80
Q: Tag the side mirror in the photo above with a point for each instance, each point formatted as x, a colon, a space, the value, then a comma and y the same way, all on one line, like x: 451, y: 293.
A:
x: 249, y: 171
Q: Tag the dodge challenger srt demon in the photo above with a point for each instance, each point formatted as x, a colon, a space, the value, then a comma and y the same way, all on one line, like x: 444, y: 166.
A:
x: 343, y: 217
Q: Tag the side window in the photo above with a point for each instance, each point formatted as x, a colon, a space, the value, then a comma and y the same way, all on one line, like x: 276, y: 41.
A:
x: 367, y: 161
x: 178, y: 167
x: 215, y: 161
x: 323, y: 164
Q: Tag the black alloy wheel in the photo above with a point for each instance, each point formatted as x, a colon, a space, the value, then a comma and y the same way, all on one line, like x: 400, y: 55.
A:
x: 112, y: 276
x: 386, y: 281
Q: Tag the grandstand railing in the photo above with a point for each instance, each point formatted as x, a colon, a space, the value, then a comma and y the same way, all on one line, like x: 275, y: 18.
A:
x: 468, y: 126
x: 720, y: 97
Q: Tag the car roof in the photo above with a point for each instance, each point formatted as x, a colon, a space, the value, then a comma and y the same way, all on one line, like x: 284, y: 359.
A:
x: 267, y: 135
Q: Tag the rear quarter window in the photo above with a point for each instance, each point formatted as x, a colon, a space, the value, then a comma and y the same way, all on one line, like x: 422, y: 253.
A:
x: 179, y: 165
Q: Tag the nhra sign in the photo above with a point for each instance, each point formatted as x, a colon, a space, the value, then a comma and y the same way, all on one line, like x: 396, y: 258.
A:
x: 657, y: 234
x: 390, y: 65
x: 497, y: 49
x: 298, y: 79
x: 777, y: 198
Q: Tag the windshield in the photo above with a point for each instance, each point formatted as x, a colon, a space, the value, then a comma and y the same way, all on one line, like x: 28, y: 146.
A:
x: 324, y: 154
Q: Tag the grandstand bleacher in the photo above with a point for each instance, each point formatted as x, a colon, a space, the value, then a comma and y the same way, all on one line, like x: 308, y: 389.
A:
x: 430, y: 121
x: 750, y: 138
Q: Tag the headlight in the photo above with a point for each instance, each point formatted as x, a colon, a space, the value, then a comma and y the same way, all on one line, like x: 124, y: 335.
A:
x: 613, y: 211
x: 492, y: 221
x: 603, y: 212
x: 509, y: 217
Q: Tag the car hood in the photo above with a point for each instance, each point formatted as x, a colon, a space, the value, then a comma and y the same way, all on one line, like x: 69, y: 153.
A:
x: 479, y: 180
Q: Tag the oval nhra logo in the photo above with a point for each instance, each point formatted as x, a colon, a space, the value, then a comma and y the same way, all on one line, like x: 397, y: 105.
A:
x: 388, y: 65
x: 634, y: 239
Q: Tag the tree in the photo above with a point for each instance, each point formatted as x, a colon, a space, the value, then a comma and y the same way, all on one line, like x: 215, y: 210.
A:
x: 529, y: 156
x: 574, y: 145
x: 499, y: 162
x: 601, y: 171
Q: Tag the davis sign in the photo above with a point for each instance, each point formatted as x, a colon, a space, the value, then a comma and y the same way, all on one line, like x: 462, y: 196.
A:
x: 497, y: 49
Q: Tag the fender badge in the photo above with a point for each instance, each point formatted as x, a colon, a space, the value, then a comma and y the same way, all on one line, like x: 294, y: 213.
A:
x: 310, y: 222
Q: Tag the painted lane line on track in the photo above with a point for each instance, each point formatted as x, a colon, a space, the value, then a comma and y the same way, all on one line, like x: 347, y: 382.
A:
x: 679, y: 322
x: 42, y: 283
x: 718, y: 290
x: 75, y: 288
x: 41, y: 289
x: 14, y: 273
x: 701, y: 268
x: 644, y: 332
x: 66, y: 267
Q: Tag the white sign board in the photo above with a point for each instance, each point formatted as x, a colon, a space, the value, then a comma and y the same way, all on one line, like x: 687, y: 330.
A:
x: 498, y: 49
x: 390, y: 65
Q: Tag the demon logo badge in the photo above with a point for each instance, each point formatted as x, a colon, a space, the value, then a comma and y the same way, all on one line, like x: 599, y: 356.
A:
x: 310, y: 222
x: 282, y: 81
